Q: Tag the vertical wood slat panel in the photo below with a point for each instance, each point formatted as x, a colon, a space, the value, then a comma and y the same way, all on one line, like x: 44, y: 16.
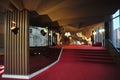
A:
x: 16, y: 45
x: 23, y: 31
x: 10, y: 46
x: 10, y: 42
x: 22, y: 42
x: 9, y: 49
x: 7, y: 43
x: 20, y: 31
x: 5, y: 40
x: 13, y: 45
x: 26, y: 43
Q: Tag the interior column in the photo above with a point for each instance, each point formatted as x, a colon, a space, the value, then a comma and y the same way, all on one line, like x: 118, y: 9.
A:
x: 16, y: 44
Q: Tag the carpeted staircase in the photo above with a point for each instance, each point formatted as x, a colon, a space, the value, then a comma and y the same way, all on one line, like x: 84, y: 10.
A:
x: 87, y: 55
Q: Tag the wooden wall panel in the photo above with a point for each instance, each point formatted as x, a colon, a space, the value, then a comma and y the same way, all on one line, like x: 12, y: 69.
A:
x: 17, y: 45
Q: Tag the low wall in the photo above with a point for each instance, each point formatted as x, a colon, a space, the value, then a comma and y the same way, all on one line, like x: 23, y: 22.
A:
x: 41, y: 57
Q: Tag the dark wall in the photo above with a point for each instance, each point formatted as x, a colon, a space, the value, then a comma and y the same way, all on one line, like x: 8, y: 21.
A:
x: 106, y: 30
x: 2, y: 30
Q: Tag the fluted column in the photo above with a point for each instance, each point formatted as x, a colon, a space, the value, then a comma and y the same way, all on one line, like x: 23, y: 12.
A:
x: 17, y: 45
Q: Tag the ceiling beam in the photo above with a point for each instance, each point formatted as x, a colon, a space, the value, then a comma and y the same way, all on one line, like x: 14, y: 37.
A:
x: 73, y: 12
x: 47, y: 5
x: 6, y: 5
x: 80, y: 21
x: 32, y: 4
x: 18, y: 4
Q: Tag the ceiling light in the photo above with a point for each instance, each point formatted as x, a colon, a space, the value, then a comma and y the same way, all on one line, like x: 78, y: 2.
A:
x: 67, y: 34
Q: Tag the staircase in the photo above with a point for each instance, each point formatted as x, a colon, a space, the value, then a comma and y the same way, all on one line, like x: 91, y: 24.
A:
x: 87, y: 55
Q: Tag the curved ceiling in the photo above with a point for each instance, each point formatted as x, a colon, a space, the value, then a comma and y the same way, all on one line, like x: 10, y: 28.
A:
x: 72, y: 15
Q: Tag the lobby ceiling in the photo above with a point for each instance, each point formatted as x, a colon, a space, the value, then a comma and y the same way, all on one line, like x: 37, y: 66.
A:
x: 71, y: 15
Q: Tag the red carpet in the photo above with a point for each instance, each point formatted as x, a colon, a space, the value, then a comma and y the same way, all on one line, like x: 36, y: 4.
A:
x: 82, y: 63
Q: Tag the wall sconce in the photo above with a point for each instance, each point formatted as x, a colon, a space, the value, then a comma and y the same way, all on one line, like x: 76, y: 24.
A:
x: 13, y: 28
x: 44, y: 32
